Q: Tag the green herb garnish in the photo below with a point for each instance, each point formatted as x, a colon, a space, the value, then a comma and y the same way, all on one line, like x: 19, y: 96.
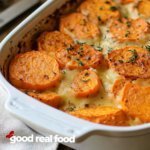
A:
x: 80, y: 63
x: 77, y: 59
x: 63, y: 72
x: 120, y: 61
x: 88, y: 58
x: 85, y: 80
x: 84, y: 22
x: 101, y: 7
x: 68, y: 56
x: 104, y: 37
x: 109, y: 50
x: 149, y: 55
x: 127, y: 34
x: 120, y: 20
x: 86, y: 73
x: 125, y: 17
x: 135, y: 6
x: 99, y: 48
x: 98, y: 18
x: 128, y: 23
x: 81, y: 48
x: 113, y: 8
x: 69, y: 48
x: 147, y: 47
x: 132, y: 58
x: 107, y: 2
x: 26, y: 92
x: 70, y: 109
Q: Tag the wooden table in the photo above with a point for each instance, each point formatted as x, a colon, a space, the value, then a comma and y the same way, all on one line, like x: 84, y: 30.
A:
x: 4, y: 31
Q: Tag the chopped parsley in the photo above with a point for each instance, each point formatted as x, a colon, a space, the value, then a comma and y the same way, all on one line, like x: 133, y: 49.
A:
x: 86, y: 73
x: 132, y: 58
x: 135, y: 6
x: 149, y: 55
x: 101, y: 7
x: 107, y: 2
x: 70, y: 109
x: 109, y: 50
x: 84, y: 22
x: 138, y: 14
x: 147, y: 47
x: 120, y: 61
x: 64, y: 45
x: 85, y: 80
x: 113, y: 8
x: 26, y: 92
x: 114, y: 24
x: 120, y: 20
x: 99, y: 48
x: 80, y: 63
x: 128, y: 23
x: 68, y: 56
x: 69, y: 48
x: 92, y: 45
x: 40, y: 91
x: 63, y: 72
x: 127, y: 34
x: 81, y: 48
x: 88, y: 58
x: 104, y: 37
x: 98, y: 18
x: 77, y: 59
x: 125, y: 17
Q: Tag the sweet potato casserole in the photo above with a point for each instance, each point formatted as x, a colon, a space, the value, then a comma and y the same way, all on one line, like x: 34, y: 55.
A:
x: 96, y: 66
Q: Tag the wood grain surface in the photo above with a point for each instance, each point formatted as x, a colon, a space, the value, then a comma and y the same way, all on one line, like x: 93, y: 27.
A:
x: 4, y: 31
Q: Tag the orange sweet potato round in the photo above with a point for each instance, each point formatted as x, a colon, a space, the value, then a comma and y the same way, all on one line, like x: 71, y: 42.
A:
x: 126, y: 1
x: 50, y: 42
x: 129, y: 29
x: 79, y: 56
x: 99, y: 11
x: 136, y: 101
x: 132, y: 62
x: 86, y: 83
x: 34, y: 70
x: 102, y: 115
x: 79, y: 25
x: 143, y: 7
x: 117, y: 86
x: 50, y: 99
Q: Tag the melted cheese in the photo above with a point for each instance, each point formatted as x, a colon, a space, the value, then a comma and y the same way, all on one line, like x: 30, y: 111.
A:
x: 107, y: 76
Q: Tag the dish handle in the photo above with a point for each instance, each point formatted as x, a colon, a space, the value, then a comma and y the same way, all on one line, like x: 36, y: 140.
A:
x: 44, y: 118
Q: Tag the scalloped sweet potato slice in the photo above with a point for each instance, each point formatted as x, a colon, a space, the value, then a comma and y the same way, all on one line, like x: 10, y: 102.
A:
x: 34, y: 70
x: 50, y: 99
x: 50, y: 42
x: 99, y: 11
x: 117, y: 86
x: 79, y: 25
x: 126, y: 1
x: 129, y: 29
x: 132, y: 62
x: 136, y: 101
x: 143, y: 7
x: 102, y: 115
x: 85, y: 84
x: 79, y: 56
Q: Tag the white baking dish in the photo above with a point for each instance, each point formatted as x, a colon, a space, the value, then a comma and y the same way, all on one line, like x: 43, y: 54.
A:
x: 47, y: 120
